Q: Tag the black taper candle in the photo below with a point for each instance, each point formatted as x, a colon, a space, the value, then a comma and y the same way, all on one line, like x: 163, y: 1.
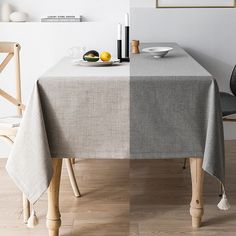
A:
x: 127, y: 41
x: 119, y: 49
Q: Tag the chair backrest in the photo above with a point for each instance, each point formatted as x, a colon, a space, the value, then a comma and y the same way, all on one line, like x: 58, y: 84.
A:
x: 233, y: 81
x: 12, y: 50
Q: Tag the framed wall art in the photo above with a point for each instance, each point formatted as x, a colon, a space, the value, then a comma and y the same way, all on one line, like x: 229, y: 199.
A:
x: 196, y: 3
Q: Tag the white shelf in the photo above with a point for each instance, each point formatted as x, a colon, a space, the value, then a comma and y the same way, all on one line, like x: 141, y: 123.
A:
x: 6, y: 25
x: 33, y: 22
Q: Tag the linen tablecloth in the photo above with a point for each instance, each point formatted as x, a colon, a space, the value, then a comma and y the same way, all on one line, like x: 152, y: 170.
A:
x: 74, y: 111
x: 175, y: 110
x: 167, y: 108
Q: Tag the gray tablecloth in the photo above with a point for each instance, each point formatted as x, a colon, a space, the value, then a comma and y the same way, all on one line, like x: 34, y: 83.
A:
x: 175, y: 110
x: 167, y: 108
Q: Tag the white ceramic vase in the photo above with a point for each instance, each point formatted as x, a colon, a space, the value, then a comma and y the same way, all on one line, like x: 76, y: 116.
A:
x: 18, y: 16
x: 5, y: 12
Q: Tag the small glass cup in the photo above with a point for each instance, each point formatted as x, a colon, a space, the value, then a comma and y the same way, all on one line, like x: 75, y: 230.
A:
x: 76, y: 52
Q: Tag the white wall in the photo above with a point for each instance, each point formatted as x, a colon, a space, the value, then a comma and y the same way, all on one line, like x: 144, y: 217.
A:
x: 43, y: 44
x: 92, y: 10
x: 207, y: 34
x: 142, y: 3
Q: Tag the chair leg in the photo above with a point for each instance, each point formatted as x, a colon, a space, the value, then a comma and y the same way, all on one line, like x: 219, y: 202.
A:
x: 73, y: 160
x: 72, y: 177
x: 185, y: 162
x: 221, y: 191
x: 26, y: 209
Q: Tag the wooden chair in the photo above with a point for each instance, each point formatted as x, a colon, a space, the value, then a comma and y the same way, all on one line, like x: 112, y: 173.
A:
x: 9, y: 125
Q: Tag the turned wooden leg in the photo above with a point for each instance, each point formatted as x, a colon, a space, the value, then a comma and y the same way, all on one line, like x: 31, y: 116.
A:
x: 26, y: 208
x: 196, y: 205
x: 53, y: 215
x: 72, y: 178
x: 73, y: 160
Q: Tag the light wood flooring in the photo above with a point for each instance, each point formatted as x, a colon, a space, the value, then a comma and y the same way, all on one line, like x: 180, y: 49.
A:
x: 126, y: 198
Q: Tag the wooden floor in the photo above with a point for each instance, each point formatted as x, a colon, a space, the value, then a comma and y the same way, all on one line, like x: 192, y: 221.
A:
x: 126, y: 198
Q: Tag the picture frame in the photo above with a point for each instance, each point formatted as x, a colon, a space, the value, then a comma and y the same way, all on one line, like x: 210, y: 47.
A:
x: 195, y: 3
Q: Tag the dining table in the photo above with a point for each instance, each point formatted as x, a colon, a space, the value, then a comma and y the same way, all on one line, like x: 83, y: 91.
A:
x: 146, y: 109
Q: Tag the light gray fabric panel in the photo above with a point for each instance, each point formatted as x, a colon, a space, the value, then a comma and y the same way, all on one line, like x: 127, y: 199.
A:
x: 69, y: 117
x: 29, y: 163
x: 86, y: 119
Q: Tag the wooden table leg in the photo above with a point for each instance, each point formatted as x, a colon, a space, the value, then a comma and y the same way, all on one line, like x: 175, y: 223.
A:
x: 53, y: 215
x: 196, y: 205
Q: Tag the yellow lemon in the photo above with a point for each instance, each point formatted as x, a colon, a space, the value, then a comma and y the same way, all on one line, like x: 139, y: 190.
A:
x: 105, y: 56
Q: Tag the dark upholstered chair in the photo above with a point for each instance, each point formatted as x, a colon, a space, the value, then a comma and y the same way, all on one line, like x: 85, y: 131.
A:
x: 228, y: 100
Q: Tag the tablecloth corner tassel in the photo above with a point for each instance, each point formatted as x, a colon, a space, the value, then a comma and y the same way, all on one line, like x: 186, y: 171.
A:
x: 33, y: 220
x: 224, y: 203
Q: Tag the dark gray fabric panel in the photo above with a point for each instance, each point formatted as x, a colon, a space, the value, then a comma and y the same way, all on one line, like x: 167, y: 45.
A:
x: 175, y: 110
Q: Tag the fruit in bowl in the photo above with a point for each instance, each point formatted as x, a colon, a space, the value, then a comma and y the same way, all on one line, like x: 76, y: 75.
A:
x: 91, y: 56
x: 105, y: 56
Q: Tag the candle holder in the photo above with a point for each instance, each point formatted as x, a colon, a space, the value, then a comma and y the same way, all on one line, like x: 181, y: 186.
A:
x: 135, y: 46
x: 119, y: 49
x: 119, y: 41
x: 126, y: 59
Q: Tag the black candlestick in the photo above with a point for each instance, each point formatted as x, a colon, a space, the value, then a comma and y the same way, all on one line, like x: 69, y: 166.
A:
x: 119, y: 49
x: 127, y: 41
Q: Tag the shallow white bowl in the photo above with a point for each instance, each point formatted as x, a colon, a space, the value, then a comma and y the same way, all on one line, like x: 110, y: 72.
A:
x: 157, y: 52
x: 93, y: 64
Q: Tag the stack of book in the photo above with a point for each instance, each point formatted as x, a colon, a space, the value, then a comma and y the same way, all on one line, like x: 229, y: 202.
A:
x: 61, y: 19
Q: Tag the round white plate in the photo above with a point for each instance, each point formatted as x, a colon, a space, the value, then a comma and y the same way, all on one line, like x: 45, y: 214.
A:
x: 157, y: 52
x: 96, y: 64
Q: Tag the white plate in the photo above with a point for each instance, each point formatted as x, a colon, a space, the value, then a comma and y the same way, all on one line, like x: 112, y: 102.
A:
x: 157, y: 52
x: 96, y: 64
